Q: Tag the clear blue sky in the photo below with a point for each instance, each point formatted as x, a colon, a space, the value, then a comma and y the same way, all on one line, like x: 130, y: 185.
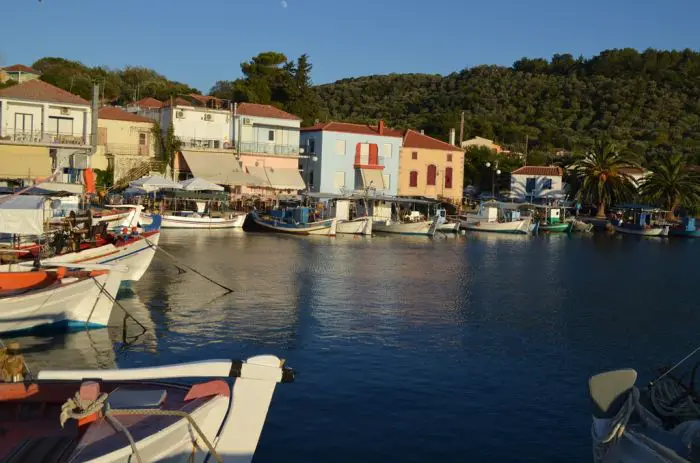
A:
x: 200, y: 42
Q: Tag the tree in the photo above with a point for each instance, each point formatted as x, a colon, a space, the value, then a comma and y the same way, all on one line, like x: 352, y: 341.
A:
x: 169, y: 145
x: 601, y: 181
x: 671, y: 184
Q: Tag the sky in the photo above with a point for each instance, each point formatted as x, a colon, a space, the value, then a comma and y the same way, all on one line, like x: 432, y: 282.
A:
x: 200, y: 42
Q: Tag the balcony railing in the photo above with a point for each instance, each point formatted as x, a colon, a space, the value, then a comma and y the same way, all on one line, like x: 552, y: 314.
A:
x: 205, y: 144
x: 37, y: 137
x: 268, y: 148
x: 127, y: 149
x: 363, y: 161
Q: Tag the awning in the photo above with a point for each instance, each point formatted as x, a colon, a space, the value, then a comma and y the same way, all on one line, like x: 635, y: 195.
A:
x: 22, y: 215
x: 24, y: 162
x: 259, y: 174
x: 372, y: 178
x: 285, y: 178
x: 221, y: 168
x: 200, y: 184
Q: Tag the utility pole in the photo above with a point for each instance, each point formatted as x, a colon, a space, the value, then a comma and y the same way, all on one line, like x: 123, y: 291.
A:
x: 461, y: 130
x: 527, y: 140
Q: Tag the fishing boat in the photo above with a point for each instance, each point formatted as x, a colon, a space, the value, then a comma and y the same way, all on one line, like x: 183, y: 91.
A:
x: 640, y: 220
x: 58, y: 297
x: 550, y: 219
x: 685, y: 229
x: 497, y: 220
x: 188, y: 219
x: 292, y: 221
x: 212, y: 410
x: 401, y: 216
x: 406, y: 227
x: 446, y: 224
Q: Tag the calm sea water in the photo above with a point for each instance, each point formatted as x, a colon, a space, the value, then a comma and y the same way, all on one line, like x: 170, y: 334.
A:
x: 470, y: 348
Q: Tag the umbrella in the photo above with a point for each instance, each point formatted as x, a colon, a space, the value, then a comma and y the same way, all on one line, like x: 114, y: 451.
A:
x: 200, y: 184
x: 154, y: 183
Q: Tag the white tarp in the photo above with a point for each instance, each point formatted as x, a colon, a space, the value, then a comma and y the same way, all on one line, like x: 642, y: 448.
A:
x: 23, y: 215
x: 200, y: 184
x: 154, y: 183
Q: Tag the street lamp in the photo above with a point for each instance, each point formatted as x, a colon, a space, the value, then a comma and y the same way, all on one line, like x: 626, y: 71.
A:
x: 495, y: 171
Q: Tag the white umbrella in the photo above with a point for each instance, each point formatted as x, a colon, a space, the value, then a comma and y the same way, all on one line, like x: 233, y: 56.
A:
x: 154, y: 183
x: 200, y: 184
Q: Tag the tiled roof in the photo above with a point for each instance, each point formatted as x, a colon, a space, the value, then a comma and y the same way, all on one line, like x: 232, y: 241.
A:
x: 148, y: 103
x: 346, y: 127
x: 20, y: 68
x: 414, y: 139
x: 264, y: 110
x: 38, y: 90
x: 118, y: 114
x: 178, y: 101
x: 553, y: 171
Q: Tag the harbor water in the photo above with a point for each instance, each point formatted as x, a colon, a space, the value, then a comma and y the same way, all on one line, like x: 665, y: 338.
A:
x: 466, y: 348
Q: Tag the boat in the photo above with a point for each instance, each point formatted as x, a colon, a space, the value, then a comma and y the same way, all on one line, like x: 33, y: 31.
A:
x: 685, y: 229
x: 640, y: 220
x: 581, y: 226
x: 33, y: 299
x: 357, y: 226
x: 498, y: 220
x: 211, y: 410
x: 551, y: 219
x: 292, y: 221
x: 418, y: 227
x: 446, y: 224
x: 187, y: 219
x: 401, y: 216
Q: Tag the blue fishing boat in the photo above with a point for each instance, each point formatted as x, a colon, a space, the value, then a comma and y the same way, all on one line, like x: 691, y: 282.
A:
x: 292, y: 221
x: 686, y: 228
x: 635, y: 219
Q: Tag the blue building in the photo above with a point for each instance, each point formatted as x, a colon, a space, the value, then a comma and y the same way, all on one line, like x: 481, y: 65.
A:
x: 341, y: 157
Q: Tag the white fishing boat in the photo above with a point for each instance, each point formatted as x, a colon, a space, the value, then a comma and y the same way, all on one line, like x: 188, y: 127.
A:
x: 417, y: 227
x: 400, y: 216
x: 284, y: 221
x: 33, y: 299
x: 446, y: 224
x: 142, y: 414
x: 358, y: 226
x: 195, y: 220
x: 641, y: 220
x: 496, y: 220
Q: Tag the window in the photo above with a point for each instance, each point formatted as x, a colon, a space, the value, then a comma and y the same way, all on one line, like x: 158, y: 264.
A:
x: 312, y: 146
x: 142, y: 139
x: 311, y: 179
x: 387, y: 181
x: 547, y: 184
x: 414, y: 155
x: 24, y: 122
x: 449, y: 157
x: 270, y: 135
x: 448, y: 176
x: 432, y: 174
x: 413, y: 179
x: 60, y: 125
x: 217, y: 144
x: 340, y: 147
x: 339, y: 180
x: 530, y: 184
x: 388, y: 147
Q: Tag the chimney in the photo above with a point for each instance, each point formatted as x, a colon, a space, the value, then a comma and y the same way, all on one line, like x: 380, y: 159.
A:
x: 381, y: 127
x: 422, y: 132
x: 452, y: 137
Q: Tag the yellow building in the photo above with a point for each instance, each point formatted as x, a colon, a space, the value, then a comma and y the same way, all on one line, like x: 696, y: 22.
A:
x: 124, y: 142
x: 431, y: 168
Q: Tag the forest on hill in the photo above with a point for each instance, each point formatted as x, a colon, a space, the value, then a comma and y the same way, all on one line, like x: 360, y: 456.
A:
x: 646, y: 102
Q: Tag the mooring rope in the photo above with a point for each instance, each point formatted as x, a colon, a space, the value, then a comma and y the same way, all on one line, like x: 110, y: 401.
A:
x: 114, y: 301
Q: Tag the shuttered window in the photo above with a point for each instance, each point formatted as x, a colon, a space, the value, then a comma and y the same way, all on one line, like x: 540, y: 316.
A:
x: 413, y: 179
x: 448, y: 177
x: 432, y: 174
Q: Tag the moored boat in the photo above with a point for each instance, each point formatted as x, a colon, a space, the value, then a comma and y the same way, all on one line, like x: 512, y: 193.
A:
x: 418, y: 227
x: 496, y: 220
x: 289, y: 221
x: 685, y: 229
x: 142, y: 414
x: 194, y: 220
x: 357, y: 226
x: 641, y: 221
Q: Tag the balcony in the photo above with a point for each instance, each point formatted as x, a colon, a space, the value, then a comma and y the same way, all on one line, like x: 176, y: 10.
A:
x: 205, y: 144
x: 127, y: 149
x: 268, y: 148
x: 369, y: 162
x: 37, y: 137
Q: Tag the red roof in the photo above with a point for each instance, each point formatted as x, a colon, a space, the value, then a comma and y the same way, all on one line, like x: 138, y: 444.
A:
x: 20, y: 68
x: 38, y: 90
x: 178, y: 101
x: 118, y: 114
x: 552, y: 171
x: 148, y: 103
x: 346, y: 127
x: 414, y: 139
x: 264, y: 110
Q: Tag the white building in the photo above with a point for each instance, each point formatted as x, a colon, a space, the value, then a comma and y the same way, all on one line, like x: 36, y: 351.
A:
x: 530, y: 183
x: 200, y: 122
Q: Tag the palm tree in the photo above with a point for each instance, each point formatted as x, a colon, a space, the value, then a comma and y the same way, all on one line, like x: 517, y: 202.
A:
x: 671, y: 184
x: 600, y: 178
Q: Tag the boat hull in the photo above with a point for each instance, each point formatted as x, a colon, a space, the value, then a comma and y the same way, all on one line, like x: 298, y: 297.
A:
x: 425, y: 228
x: 359, y: 226
x: 324, y: 228
x: 67, y: 305
x: 521, y: 227
x: 684, y: 233
x: 565, y: 227
x: 172, y: 221
x: 450, y: 227
x: 656, y: 232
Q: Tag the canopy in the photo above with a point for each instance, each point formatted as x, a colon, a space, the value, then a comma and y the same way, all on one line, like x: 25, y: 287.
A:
x: 22, y: 215
x: 154, y: 183
x: 285, y: 178
x: 221, y: 168
x: 259, y: 173
x: 373, y: 178
x: 200, y: 184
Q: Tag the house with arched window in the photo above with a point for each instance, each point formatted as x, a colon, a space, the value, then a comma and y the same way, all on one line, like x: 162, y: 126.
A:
x: 430, y: 167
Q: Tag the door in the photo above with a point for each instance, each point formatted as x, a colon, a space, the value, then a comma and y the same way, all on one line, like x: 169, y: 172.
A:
x: 24, y: 123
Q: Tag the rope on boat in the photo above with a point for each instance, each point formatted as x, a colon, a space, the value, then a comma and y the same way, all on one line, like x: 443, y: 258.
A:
x: 115, y: 302
x: 670, y: 399
x: 76, y: 408
x: 158, y: 248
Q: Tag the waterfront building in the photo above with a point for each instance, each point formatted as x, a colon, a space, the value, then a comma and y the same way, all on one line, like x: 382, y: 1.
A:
x: 125, y: 144
x: 43, y: 128
x: 430, y: 168
x: 482, y: 142
x: 532, y: 183
x: 344, y: 157
x: 266, y: 139
x: 19, y: 73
